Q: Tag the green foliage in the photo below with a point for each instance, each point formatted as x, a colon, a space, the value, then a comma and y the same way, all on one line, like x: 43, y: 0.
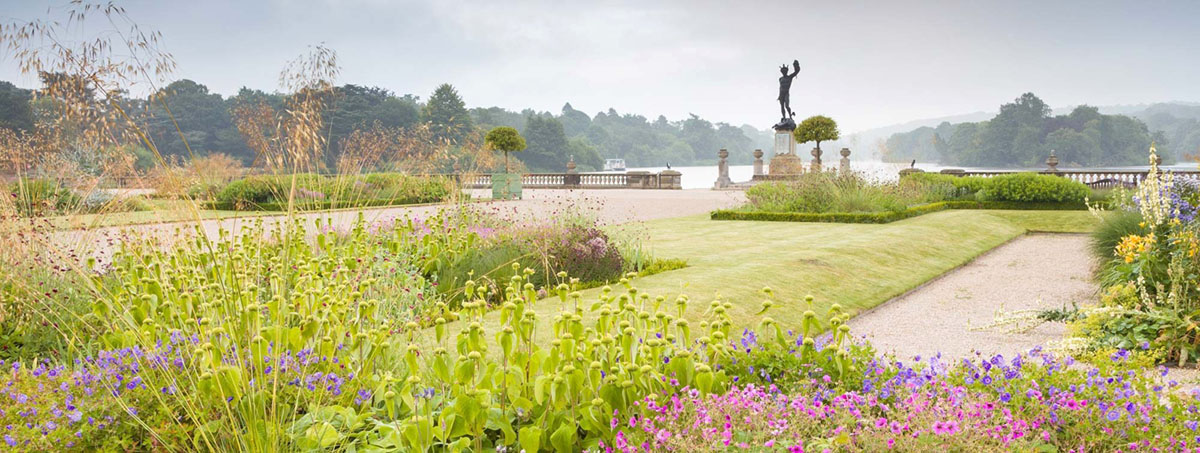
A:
x: 232, y: 309
x: 505, y: 139
x: 771, y: 359
x: 828, y: 192
x: 816, y: 129
x: 1023, y: 133
x: 16, y: 113
x: 274, y: 193
x: 955, y: 186
x: 447, y: 115
x: 1115, y: 227
x: 1033, y: 188
x: 42, y: 197
x: 548, y: 144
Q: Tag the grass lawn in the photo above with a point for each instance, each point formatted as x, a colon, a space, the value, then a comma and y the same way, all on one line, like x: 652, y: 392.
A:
x: 856, y: 265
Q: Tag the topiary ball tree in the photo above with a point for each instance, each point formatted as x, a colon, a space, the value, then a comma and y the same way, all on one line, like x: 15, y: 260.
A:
x: 816, y: 129
x: 505, y: 139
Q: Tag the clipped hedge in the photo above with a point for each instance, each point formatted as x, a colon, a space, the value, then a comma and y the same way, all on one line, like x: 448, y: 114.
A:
x: 888, y: 217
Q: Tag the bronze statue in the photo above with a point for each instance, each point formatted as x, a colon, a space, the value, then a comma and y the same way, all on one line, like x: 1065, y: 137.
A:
x: 785, y: 86
x: 786, y: 122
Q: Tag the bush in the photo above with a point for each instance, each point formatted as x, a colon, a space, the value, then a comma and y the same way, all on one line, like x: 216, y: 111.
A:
x: 1032, y: 187
x: 957, y: 186
x: 828, y: 192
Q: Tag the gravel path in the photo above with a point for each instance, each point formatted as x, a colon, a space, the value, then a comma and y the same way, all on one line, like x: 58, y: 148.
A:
x: 610, y: 206
x: 1033, y: 271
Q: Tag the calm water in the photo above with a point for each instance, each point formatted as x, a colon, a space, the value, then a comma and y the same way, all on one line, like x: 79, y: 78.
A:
x: 704, y: 177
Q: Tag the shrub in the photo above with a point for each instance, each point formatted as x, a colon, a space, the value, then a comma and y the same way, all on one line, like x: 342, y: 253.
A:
x: 41, y: 197
x: 250, y: 190
x: 956, y: 186
x: 271, y: 193
x: 828, y: 192
x: 1032, y: 187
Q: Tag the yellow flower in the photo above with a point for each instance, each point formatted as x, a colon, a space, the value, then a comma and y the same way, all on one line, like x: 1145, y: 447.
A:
x: 1133, y: 246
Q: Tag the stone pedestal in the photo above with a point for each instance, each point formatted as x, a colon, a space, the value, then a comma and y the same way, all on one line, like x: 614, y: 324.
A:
x: 785, y: 161
x: 723, y: 180
x: 784, y: 143
x: 844, y: 165
x: 636, y: 179
x: 670, y: 179
x: 758, y: 162
x: 816, y: 162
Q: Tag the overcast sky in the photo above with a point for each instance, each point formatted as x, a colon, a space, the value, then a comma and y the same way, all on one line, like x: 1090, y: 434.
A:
x: 866, y: 64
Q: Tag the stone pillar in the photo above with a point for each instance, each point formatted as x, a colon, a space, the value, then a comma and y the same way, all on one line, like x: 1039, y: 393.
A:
x: 636, y: 179
x: 758, y: 162
x: 816, y: 162
x: 670, y: 179
x: 723, y: 180
x: 844, y: 165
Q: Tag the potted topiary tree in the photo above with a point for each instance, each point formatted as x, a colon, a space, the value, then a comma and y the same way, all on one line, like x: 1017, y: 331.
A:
x: 505, y: 185
x: 816, y: 129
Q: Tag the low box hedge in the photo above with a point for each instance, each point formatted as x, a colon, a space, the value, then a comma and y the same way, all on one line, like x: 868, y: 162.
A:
x: 890, y: 216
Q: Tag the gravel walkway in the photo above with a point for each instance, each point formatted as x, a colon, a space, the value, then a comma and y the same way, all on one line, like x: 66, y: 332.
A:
x: 610, y: 206
x: 1031, y: 272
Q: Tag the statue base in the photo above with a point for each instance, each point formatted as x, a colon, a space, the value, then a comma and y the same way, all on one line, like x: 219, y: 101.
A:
x: 786, y: 165
x: 785, y: 124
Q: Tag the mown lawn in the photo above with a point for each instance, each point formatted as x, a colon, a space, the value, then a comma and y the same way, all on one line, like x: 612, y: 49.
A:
x: 857, y: 266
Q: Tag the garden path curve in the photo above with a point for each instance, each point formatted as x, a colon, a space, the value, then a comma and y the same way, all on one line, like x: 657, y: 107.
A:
x: 1036, y: 271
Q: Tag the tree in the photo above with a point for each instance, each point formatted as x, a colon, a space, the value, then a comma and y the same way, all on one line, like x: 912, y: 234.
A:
x: 505, y: 139
x: 816, y: 129
x: 447, y: 114
x: 574, y: 122
x: 547, y: 143
x: 15, y: 112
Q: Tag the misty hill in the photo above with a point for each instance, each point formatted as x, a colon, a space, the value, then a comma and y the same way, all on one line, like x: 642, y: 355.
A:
x: 1024, y: 131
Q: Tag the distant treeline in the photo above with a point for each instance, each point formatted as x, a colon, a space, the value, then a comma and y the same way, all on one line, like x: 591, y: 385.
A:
x: 1024, y: 133
x: 205, y: 121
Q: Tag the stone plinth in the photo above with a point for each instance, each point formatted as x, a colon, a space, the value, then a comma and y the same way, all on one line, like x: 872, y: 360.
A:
x: 844, y: 164
x: 816, y: 162
x: 785, y: 161
x: 670, y: 179
x: 758, y: 162
x: 786, y: 164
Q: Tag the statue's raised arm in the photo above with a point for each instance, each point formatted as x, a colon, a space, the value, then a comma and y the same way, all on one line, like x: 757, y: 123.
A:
x: 795, y: 67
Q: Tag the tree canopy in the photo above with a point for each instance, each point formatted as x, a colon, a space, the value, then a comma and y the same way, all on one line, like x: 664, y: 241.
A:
x: 447, y: 114
x: 186, y: 119
x: 1024, y: 132
x: 816, y: 129
x: 504, y: 138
